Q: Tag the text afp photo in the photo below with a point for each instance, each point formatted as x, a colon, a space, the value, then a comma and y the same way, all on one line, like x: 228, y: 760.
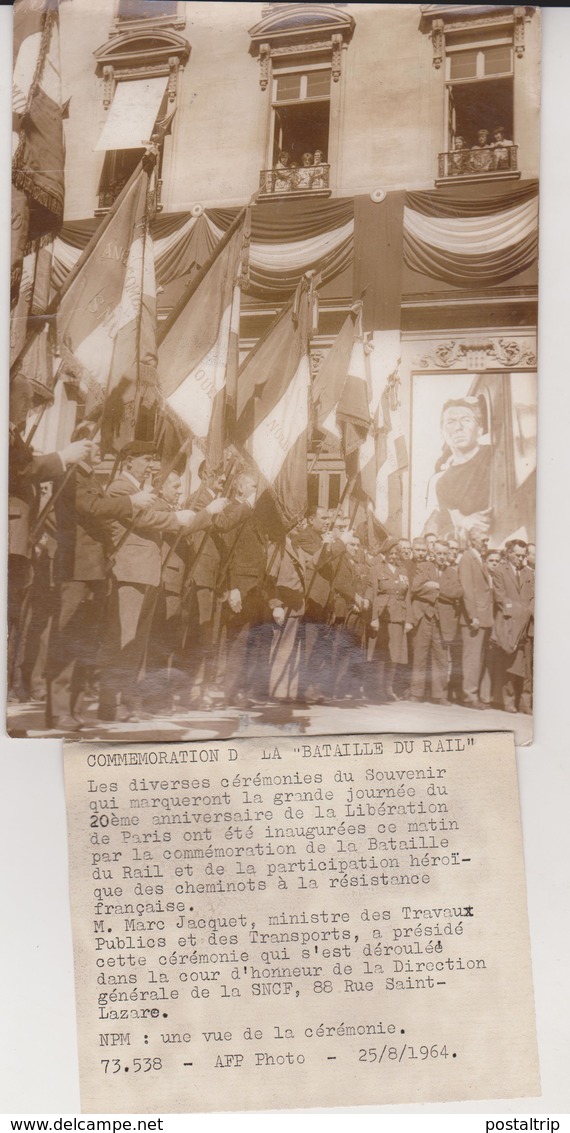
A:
x: 273, y: 368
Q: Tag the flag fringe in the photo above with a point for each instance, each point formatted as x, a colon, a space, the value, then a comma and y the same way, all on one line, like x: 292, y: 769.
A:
x: 24, y: 181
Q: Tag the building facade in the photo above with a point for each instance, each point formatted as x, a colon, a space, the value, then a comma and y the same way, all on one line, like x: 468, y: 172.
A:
x: 393, y: 148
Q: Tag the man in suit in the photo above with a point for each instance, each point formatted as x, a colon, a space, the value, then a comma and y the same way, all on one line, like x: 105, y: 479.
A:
x: 428, y: 647
x: 202, y: 599
x: 449, y: 607
x: 313, y: 543
x: 136, y: 574
x: 514, y: 604
x: 243, y: 580
x: 82, y: 512
x: 476, y: 619
x: 26, y: 472
x: 161, y: 682
x: 347, y: 575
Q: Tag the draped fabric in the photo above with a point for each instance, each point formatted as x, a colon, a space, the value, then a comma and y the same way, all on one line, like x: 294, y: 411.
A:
x: 474, y: 235
x: 286, y: 242
x: 476, y: 249
x: 378, y: 259
x: 476, y: 199
x: 278, y: 267
x: 280, y: 221
x: 473, y: 271
x: 181, y: 251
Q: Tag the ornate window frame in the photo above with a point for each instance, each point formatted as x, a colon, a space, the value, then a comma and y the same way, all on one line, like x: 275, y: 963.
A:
x: 143, y: 23
x: 441, y: 20
x: 141, y: 54
x: 303, y: 34
x: 301, y: 29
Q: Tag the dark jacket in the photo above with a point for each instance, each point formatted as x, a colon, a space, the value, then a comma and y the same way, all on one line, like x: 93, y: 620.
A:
x: 82, y: 512
x: 477, y: 599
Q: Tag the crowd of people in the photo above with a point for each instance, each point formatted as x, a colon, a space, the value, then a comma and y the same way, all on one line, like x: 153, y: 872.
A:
x: 490, y: 153
x: 122, y: 598
x: 288, y: 175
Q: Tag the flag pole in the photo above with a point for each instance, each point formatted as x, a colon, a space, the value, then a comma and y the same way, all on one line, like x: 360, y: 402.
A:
x: 39, y: 525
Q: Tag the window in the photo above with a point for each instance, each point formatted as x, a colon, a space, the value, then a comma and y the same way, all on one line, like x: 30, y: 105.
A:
x: 299, y: 140
x: 299, y: 48
x: 145, y: 9
x: 138, y: 67
x: 480, y: 121
x: 480, y: 91
x: 478, y: 48
x: 301, y: 112
x: 128, y: 130
x: 325, y: 486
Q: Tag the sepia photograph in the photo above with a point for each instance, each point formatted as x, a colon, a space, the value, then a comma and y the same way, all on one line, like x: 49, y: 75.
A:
x: 273, y: 368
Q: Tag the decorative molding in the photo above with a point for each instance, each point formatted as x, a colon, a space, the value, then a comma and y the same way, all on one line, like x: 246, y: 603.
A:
x: 438, y: 43
x: 443, y: 23
x: 108, y: 85
x: 316, y: 359
x: 264, y: 60
x: 137, y: 55
x: 520, y: 15
x: 503, y: 20
x: 491, y: 354
x: 299, y: 48
x: 173, y: 69
x: 337, y: 44
x: 301, y: 29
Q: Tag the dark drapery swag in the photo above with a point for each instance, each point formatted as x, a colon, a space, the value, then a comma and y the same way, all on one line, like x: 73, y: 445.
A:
x: 477, y: 199
x: 378, y: 252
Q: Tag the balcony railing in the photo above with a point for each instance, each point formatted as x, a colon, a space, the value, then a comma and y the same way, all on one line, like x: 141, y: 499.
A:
x: 479, y: 161
x: 294, y: 180
x: 108, y: 195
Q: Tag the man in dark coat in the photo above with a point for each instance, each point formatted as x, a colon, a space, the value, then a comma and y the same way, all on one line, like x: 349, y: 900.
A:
x: 248, y: 616
x: 429, y: 651
x: 82, y: 513
x: 514, y: 605
x: 313, y: 543
x: 136, y: 574
x: 26, y: 472
x: 449, y: 609
x: 476, y: 619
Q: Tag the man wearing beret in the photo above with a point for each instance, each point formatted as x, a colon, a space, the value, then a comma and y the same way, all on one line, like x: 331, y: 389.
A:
x: 82, y: 511
x: 136, y: 574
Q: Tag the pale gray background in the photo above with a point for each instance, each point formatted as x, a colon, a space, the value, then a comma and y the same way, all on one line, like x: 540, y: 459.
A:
x: 38, y: 1065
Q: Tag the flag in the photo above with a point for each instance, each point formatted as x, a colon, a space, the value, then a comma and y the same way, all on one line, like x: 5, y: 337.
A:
x: 273, y: 423
x: 342, y: 395
x: 353, y: 409
x: 391, y: 450
x: 37, y: 130
x: 106, y: 317
x: 329, y: 382
x: 198, y: 351
x: 34, y: 360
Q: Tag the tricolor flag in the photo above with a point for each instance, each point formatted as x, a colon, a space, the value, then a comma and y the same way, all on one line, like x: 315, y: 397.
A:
x: 37, y: 130
x: 329, y: 383
x: 353, y: 409
x: 273, y: 423
x: 106, y: 317
x: 343, y: 398
x: 391, y: 448
x: 198, y: 352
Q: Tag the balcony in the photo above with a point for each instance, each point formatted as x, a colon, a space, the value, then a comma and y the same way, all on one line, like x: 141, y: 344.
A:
x: 107, y: 196
x: 295, y: 181
x: 498, y: 162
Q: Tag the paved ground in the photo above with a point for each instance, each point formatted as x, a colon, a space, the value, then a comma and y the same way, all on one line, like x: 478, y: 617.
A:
x: 27, y: 720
